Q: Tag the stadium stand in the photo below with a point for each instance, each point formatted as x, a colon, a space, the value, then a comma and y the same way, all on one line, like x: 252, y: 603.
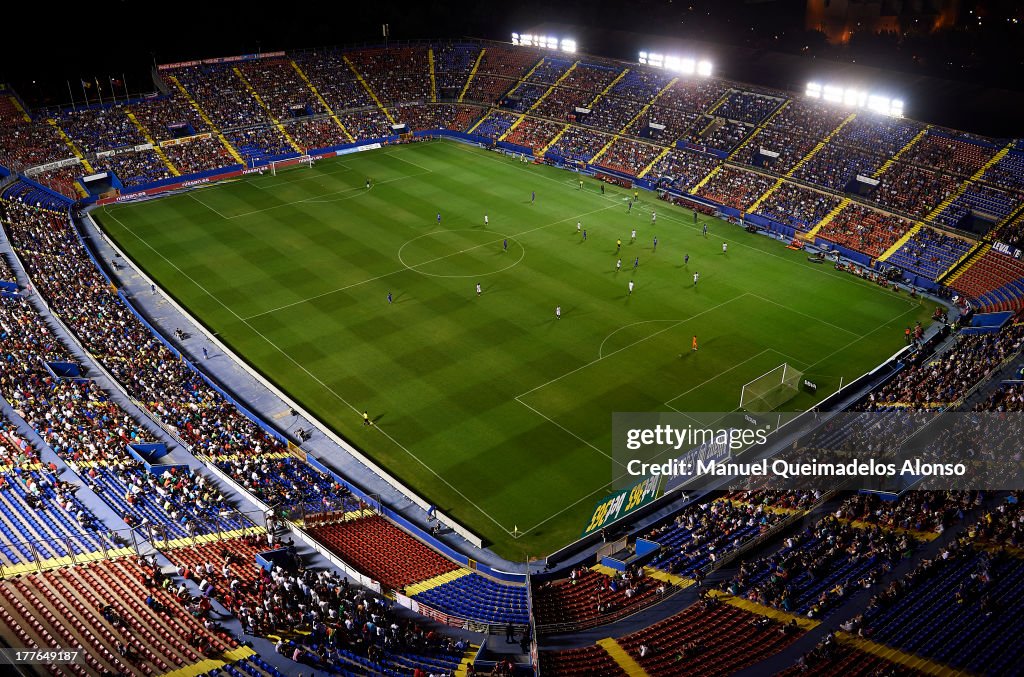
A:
x: 957, y: 608
x: 379, y: 548
x: 579, y: 145
x: 865, y: 230
x: 942, y: 153
x: 748, y: 107
x: 453, y: 62
x: 929, y: 253
x: 701, y: 535
x: 945, y: 379
x: 222, y: 95
x: 398, y: 75
x: 534, y: 133
x: 589, y: 597
x: 169, y: 117
x: 115, y: 611
x: 996, y: 282
x: 628, y: 156
x: 496, y: 123
x: 817, y: 569
x: 735, y: 187
x: 913, y: 190
x: 334, y: 80
x: 796, y: 206
x: 681, y: 169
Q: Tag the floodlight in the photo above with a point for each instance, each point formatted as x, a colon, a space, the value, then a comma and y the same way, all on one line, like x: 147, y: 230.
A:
x: 833, y: 93
x: 568, y: 45
x: 643, y: 58
x: 814, y: 90
x: 515, y: 38
x: 657, y: 60
x: 704, y: 69
x: 896, y: 108
x: 552, y: 43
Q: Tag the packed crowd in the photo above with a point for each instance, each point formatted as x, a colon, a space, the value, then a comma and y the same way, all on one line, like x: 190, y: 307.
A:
x: 397, y: 75
x: 590, y: 77
x: 735, y: 187
x: 611, y: 113
x: 944, y: 154
x: 29, y: 145
x: 675, y: 121
x: 535, y: 133
x: 134, y: 168
x: 912, y: 189
x: 162, y: 116
x: 316, y: 133
x: 198, y: 155
x: 719, y: 133
x: 628, y: 156
x: 453, y: 63
x: 681, y: 169
x: 796, y: 206
x: 835, y: 166
x: 78, y: 293
x: 561, y: 102
x: 700, y: 535
x: 223, y: 95
x: 748, y: 107
x: 578, y: 144
x: 791, y: 148
x: 949, y: 376
x: 280, y: 88
x: 99, y: 129
x: 334, y: 80
x: 864, y: 229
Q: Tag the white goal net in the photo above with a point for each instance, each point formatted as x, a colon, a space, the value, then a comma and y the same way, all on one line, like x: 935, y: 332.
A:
x: 771, y: 390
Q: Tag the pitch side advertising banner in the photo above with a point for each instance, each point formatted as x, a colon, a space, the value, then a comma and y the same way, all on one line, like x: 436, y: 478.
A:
x: 620, y: 504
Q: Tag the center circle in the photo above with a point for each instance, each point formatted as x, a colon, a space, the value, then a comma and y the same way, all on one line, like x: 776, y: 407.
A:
x: 470, y: 252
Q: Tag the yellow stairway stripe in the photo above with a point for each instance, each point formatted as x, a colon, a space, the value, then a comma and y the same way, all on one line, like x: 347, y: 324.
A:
x: 903, y: 658
x: 436, y: 581
x: 622, y: 657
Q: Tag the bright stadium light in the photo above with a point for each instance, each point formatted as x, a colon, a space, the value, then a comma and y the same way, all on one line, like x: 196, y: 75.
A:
x: 833, y: 94
x: 855, y: 98
x: 544, y: 41
x: 677, y: 64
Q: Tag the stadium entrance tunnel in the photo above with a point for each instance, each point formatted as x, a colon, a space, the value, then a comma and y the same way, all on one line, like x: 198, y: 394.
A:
x: 471, y: 252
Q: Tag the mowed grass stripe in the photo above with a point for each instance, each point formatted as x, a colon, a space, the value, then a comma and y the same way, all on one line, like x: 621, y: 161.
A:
x: 442, y: 368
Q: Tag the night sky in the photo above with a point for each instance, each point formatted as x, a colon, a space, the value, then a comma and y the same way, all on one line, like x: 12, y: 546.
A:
x: 965, y: 77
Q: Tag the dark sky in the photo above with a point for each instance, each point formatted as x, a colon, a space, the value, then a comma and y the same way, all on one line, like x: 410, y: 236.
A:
x: 759, y: 41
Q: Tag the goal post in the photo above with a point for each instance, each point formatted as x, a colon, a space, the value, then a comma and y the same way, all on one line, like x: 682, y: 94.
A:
x: 304, y: 160
x: 771, y: 390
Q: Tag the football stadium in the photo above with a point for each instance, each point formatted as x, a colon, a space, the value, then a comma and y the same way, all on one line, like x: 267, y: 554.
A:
x: 508, y: 355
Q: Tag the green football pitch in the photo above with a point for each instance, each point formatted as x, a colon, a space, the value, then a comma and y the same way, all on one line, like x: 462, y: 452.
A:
x: 487, y: 404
